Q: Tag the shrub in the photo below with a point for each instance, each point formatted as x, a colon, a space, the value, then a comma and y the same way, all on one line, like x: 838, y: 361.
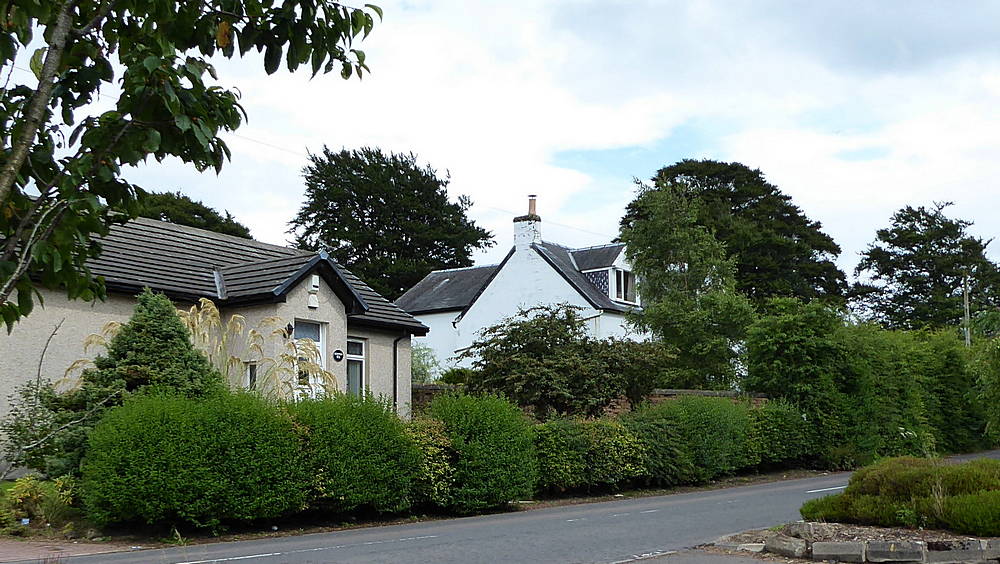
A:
x: 359, y: 453
x: 561, y: 446
x: 435, y: 474
x: 495, y: 456
x: 781, y: 435
x: 667, y: 459
x: 973, y: 514
x: 172, y: 460
x: 614, y: 454
x: 718, y: 432
x: 44, y: 502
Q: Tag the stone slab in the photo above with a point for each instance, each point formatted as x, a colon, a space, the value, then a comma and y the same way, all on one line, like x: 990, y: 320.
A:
x: 786, y: 546
x: 955, y: 552
x: 751, y: 547
x: 889, y: 551
x: 839, y: 551
x: 991, y: 549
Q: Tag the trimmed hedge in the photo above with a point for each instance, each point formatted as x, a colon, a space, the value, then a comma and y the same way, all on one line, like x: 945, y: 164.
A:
x: 359, y: 453
x: 667, y: 458
x: 169, y: 460
x: 718, y: 432
x: 911, y: 492
x: 435, y: 474
x: 495, y: 456
x: 576, y: 453
x: 781, y: 435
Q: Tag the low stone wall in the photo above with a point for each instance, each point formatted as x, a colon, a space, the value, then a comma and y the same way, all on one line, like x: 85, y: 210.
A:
x: 423, y: 394
x: 795, y: 541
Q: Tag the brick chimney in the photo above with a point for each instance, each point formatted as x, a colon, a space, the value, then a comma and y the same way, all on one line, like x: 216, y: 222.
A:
x: 528, y: 228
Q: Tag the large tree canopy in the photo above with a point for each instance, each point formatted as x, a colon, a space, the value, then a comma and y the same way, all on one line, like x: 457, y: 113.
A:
x: 61, y: 182
x: 912, y: 275
x: 689, y: 300
x: 182, y: 210
x: 777, y: 251
x: 385, y: 217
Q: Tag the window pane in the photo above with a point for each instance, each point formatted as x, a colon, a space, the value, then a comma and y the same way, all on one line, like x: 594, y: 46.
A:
x: 307, y: 330
x: 618, y: 284
x: 356, y: 348
x: 355, y: 370
x: 629, y: 287
x: 252, y: 376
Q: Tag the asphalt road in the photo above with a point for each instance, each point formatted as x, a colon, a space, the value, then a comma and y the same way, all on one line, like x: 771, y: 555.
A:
x: 608, y: 532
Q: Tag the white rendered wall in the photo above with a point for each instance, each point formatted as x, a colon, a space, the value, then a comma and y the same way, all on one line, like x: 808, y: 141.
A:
x: 441, y: 337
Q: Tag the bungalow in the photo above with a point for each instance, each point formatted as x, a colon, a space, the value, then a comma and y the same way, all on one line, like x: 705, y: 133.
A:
x: 458, y: 303
x: 362, y: 339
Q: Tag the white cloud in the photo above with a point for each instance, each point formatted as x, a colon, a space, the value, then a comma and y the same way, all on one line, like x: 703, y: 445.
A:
x: 494, y: 91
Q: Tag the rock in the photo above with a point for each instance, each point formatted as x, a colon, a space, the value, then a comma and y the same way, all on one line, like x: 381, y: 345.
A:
x: 955, y: 552
x: 889, y: 551
x: 751, y: 547
x: 991, y: 548
x: 839, y: 551
x: 808, y: 531
x: 786, y: 546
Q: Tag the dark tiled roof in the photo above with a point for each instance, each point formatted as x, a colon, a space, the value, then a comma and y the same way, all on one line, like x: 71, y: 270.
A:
x: 561, y: 259
x: 446, y: 290
x: 189, y: 263
x: 597, y: 257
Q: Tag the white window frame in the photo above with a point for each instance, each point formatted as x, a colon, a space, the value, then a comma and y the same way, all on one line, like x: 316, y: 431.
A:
x: 321, y: 345
x: 363, y: 385
x: 250, y: 374
x: 615, y: 287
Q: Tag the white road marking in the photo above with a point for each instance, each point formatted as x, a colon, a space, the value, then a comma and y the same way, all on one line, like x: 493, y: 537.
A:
x: 620, y: 514
x: 302, y: 550
x: 827, y: 489
x: 646, y: 556
x: 580, y: 519
x: 650, y: 511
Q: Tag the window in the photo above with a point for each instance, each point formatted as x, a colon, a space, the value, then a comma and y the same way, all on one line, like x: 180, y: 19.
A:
x: 355, y: 367
x: 310, y: 331
x: 624, y: 286
x: 251, y: 376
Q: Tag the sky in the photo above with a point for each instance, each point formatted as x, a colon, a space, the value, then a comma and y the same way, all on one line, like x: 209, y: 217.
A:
x: 852, y: 108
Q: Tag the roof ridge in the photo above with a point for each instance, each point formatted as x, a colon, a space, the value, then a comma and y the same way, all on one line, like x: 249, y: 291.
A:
x: 597, y: 247
x: 465, y: 268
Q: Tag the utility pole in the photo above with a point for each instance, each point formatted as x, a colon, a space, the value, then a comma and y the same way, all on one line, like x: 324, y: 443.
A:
x: 965, y: 299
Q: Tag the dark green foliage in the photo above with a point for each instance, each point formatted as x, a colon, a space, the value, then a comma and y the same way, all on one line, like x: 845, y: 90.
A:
x: 668, y: 458
x: 153, y: 352
x: 384, y: 217
x: 457, y: 376
x: 686, y: 281
x: 777, y: 251
x: 912, y: 492
x: 62, y: 182
x: 544, y: 358
x: 495, y: 455
x: 182, y: 210
x: 913, y: 273
x: 48, y: 431
x: 865, y: 391
x: 169, y: 460
x: 434, y: 475
x: 782, y: 436
x: 359, y: 453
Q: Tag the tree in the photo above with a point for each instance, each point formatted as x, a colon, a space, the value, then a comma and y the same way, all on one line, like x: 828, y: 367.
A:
x: 687, y: 286
x: 61, y: 183
x: 776, y: 250
x: 385, y: 218
x: 914, y: 273
x: 150, y: 353
x: 182, y: 210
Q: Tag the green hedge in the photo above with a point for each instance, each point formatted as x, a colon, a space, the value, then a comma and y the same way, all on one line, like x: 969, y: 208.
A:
x: 359, y: 453
x: 435, y: 473
x: 718, y: 432
x: 172, y: 460
x: 668, y: 459
x: 576, y: 453
x: 911, y: 492
x: 495, y: 456
x: 781, y: 436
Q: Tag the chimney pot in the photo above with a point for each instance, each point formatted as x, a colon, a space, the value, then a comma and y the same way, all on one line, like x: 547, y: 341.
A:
x: 531, y: 204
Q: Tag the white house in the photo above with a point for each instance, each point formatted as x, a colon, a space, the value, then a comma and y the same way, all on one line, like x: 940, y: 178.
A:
x: 457, y: 304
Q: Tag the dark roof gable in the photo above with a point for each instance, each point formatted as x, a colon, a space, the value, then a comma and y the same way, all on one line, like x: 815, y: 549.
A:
x: 446, y: 290
x: 188, y: 263
x: 592, y: 258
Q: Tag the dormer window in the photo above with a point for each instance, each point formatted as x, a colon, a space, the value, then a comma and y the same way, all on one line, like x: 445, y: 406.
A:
x: 624, y: 290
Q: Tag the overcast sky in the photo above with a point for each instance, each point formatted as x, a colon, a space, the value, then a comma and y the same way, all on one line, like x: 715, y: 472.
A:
x: 854, y: 109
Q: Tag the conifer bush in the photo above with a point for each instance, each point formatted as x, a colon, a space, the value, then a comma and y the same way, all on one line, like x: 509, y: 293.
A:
x: 170, y: 460
x: 359, y: 453
x: 495, y: 455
